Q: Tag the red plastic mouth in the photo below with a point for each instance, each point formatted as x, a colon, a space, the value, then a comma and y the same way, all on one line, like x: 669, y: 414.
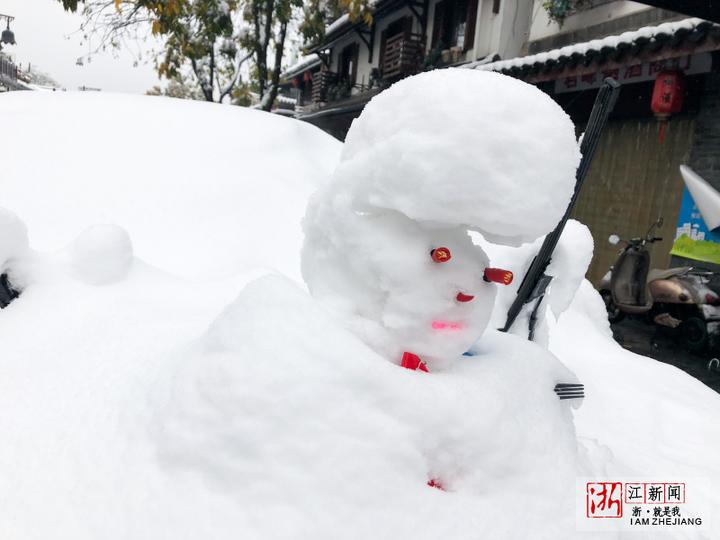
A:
x: 461, y: 297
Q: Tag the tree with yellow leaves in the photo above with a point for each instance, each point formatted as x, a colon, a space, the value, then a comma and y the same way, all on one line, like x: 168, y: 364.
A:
x: 206, y: 41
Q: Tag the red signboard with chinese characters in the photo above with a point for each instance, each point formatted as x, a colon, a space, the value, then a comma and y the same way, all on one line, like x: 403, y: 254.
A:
x: 638, y: 72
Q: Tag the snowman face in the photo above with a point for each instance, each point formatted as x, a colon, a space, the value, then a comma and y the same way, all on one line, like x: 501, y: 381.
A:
x: 403, y: 286
x: 435, y: 301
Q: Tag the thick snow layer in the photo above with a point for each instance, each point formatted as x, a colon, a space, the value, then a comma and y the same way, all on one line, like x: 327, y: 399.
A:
x: 136, y: 404
x: 654, y: 419
x: 129, y: 420
x: 465, y: 148
x: 322, y: 433
x: 202, y: 189
x: 149, y: 410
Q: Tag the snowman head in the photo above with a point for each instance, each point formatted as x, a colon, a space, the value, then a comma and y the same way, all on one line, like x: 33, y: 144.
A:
x: 429, y: 159
x: 404, y: 286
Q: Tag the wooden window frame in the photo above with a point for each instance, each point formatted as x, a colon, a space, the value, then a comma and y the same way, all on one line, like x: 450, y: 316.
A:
x: 354, y: 53
x: 445, y: 11
x: 406, y: 23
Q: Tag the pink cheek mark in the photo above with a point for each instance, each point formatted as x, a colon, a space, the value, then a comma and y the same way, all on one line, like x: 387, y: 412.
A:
x: 449, y: 326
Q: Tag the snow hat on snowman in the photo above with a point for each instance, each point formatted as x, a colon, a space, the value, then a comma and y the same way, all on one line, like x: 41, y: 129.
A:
x: 429, y: 159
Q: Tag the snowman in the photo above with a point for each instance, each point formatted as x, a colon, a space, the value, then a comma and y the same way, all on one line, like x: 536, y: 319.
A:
x: 434, y: 158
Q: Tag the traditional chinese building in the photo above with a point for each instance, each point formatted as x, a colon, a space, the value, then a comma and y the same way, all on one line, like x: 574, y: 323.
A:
x: 356, y: 60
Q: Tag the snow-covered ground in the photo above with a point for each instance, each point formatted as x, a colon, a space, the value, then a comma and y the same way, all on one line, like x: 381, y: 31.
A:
x: 165, y: 392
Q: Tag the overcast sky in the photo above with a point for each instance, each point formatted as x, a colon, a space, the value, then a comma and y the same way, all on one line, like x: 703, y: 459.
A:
x: 45, y: 38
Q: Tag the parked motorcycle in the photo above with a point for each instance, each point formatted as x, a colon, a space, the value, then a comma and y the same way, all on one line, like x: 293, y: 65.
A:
x: 681, y: 298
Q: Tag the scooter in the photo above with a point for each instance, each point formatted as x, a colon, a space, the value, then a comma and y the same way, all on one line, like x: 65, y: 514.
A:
x: 680, y: 298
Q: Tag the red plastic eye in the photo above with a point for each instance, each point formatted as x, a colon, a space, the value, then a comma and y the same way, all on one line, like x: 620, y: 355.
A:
x: 498, y: 275
x: 441, y: 255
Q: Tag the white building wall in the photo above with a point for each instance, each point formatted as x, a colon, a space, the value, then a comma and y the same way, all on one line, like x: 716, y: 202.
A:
x: 541, y: 26
x: 505, y: 33
x: 513, y: 28
x: 364, y: 67
x: 502, y: 33
x: 386, y: 20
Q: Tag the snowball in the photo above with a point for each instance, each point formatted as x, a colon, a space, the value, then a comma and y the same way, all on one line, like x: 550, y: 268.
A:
x: 102, y: 254
x: 464, y: 147
x: 13, y: 237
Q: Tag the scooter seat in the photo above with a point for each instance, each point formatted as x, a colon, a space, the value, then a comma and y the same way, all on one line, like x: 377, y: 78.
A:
x: 665, y: 274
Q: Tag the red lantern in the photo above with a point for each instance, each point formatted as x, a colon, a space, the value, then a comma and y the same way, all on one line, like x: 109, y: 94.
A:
x: 667, y: 98
x: 307, y: 76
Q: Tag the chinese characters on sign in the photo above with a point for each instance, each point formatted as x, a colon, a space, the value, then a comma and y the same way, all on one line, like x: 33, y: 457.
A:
x: 604, y: 500
x: 640, y: 72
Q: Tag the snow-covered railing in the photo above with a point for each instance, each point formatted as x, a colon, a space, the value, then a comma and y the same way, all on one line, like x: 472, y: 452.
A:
x: 8, y: 70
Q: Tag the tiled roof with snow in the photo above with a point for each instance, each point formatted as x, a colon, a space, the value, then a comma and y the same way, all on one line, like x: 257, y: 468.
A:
x: 692, y: 32
x: 305, y: 62
x: 337, y: 24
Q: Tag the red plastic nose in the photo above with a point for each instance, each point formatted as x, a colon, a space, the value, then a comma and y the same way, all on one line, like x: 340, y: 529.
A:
x: 462, y: 297
x: 498, y: 275
x: 441, y: 255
